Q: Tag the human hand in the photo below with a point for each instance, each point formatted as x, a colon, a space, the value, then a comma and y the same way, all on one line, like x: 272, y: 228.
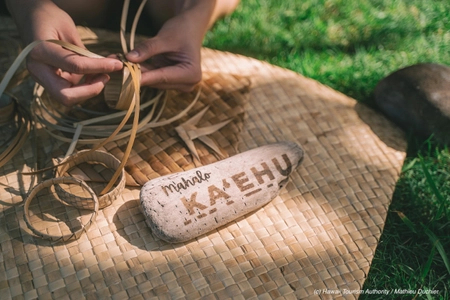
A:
x: 171, y: 59
x: 68, y: 77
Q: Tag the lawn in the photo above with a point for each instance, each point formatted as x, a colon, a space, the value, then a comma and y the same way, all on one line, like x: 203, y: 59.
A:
x: 350, y: 46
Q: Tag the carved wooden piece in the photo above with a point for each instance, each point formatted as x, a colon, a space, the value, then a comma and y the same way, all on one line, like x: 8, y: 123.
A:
x: 182, y: 206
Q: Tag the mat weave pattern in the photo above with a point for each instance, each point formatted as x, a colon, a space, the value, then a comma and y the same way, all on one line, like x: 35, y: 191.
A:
x: 160, y: 151
x: 320, y: 233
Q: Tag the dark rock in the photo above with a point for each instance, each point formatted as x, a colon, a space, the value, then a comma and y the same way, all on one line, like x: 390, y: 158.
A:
x: 417, y: 98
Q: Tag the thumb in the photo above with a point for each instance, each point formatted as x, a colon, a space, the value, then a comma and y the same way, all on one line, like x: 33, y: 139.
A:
x: 146, y: 50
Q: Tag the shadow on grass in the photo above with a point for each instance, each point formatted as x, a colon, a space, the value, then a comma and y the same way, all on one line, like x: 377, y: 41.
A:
x: 408, y: 256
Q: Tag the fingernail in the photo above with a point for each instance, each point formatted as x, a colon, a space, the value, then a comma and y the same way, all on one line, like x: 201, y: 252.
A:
x: 133, y: 54
x: 118, y: 65
x: 105, y: 79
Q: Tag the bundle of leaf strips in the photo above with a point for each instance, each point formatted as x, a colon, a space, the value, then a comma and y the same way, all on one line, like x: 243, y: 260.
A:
x: 98, y: 128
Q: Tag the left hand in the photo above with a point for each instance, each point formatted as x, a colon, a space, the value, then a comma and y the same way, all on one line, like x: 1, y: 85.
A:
x: 171, y: 59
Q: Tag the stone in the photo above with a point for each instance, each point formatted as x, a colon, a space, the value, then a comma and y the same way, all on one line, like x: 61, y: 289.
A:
x: 417, y: 98
x: 182, y: 206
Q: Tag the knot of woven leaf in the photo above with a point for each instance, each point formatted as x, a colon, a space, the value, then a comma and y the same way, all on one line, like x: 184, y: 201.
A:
x: 120, y: 89
x: 124, y: 86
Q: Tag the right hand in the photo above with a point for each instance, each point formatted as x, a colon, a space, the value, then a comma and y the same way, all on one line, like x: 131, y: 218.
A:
x: 58, y: 70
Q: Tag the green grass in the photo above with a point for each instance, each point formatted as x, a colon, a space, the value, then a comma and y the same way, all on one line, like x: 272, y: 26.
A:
x: 351, y: 45
x: 348, y: 45
x: 411, y: 253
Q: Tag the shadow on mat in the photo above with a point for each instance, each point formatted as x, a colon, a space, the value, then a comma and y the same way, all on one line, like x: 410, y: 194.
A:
x: 32, y: 154
x: 386, y: 131
x: 335, y: 197
x: 130, y: 224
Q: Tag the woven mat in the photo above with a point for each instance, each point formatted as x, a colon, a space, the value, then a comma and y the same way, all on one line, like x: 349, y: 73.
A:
x: 160, y: 151
x: 319, y: 234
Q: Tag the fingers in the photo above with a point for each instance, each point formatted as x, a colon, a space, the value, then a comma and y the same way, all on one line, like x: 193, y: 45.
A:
x: 172, y: 66
x: 178, y: 77
x: 65, y: 88
x: 146, y: 50
x: 76, y: 94
x: 56, y: 56
x: 59, y: 71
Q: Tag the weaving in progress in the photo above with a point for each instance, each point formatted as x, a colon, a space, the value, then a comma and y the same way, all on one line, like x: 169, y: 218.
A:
x: 260, y: 183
